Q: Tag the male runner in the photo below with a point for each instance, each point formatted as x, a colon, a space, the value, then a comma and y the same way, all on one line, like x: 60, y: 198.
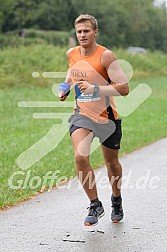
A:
x: 97, y: 77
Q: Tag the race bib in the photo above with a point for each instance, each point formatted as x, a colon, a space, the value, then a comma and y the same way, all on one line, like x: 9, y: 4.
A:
x: 81, y: 97
x: 89, y: 97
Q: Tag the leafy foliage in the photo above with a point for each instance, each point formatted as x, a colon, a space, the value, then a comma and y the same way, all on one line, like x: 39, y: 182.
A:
x: 121, y: 23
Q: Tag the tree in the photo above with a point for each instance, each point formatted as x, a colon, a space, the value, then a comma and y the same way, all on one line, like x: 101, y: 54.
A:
x: 121, y: 23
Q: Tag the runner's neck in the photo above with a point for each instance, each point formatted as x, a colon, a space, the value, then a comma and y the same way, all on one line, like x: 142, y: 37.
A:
x: 87, y: 51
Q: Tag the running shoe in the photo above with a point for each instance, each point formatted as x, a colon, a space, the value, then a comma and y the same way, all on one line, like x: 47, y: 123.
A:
x: 95, y: 212
x: 117, y: 211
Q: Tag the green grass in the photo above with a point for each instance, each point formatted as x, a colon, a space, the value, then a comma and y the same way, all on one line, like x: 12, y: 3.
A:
x: 19, y: 130
x: 148, y: 122
x: 17, y: 64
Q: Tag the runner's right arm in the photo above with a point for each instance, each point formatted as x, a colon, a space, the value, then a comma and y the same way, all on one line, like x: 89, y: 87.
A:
x: 64, y: 88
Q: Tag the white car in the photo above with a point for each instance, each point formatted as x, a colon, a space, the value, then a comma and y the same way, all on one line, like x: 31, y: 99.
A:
x: 137, y: 50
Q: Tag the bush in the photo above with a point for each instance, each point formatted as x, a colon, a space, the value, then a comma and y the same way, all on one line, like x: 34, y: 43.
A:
x: 51, y: 37
x: 13, y: 41
x: 32, y: 36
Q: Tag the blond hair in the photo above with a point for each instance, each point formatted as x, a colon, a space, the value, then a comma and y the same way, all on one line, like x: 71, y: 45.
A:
x: 87, y: 17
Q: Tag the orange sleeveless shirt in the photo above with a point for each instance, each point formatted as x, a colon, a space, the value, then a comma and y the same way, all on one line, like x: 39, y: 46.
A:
x: 98, y: 108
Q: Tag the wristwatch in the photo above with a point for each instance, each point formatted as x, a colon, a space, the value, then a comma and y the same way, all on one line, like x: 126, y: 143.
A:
x: 96, y: 89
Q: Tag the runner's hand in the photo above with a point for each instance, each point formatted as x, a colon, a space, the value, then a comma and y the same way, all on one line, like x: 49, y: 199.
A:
x: 85, y: 87
x: 64, y: 91
x: 61, y: 96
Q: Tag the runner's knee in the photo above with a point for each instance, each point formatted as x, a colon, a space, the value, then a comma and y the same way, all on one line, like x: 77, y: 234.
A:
x: 113, y: 164
x: 81, y: 160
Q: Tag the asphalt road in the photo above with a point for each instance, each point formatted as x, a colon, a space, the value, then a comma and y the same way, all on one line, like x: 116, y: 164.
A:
x: 53, y: 221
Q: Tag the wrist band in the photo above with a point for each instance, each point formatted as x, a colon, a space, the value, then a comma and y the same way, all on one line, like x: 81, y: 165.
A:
x: 65, y: 87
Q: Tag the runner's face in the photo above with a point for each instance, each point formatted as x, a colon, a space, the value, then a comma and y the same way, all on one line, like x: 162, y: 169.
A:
x: 85, y: 33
